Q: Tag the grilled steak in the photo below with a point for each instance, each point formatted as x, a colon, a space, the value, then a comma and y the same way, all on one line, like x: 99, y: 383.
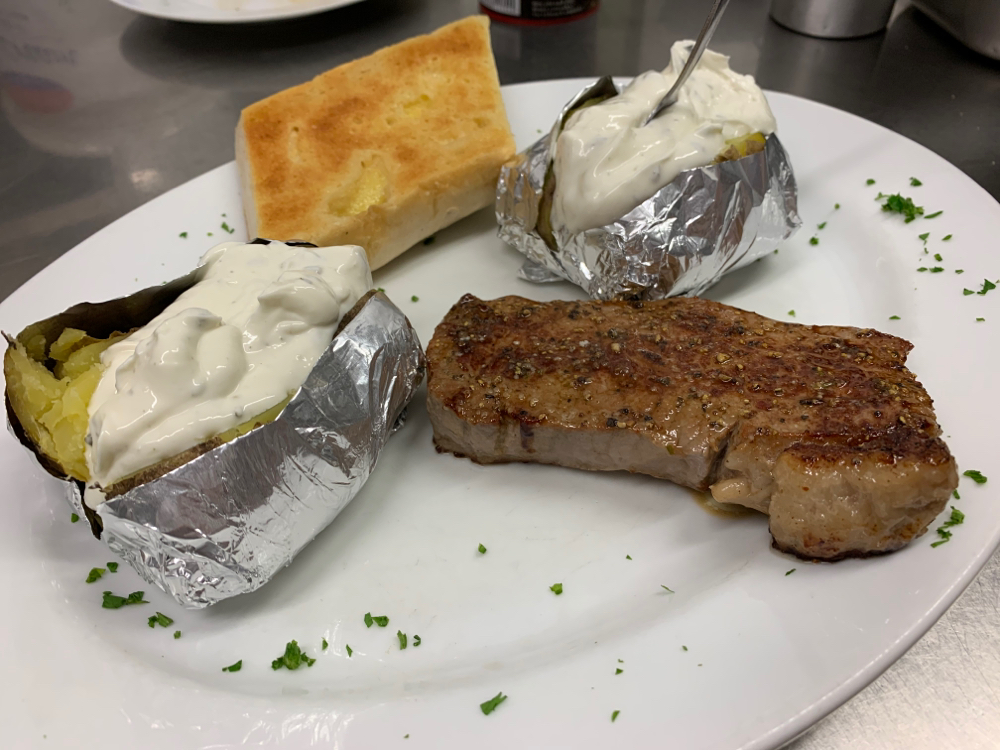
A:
x: 821, y: 427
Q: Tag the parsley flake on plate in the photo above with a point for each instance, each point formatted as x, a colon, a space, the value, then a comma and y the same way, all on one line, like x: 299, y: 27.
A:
x: 792, y: 313
x: 414, y: 298
x: 556, y: 588
x: 915, y: 182
x: 967, y: 292
x: 614, y: 715
x: 227, y: 228
x: 349, y: 650
x: 937, y: 257
x: 628, y: 557
x: 821, y: 225
x: 482, y: 550
x: 73, y: 518
x: 924, y: 236
x: 901, y: 205
x: 402, y: 639
x: 183, y: 235
x: 234, y: 667
x: 894, y: 317
x: 685, y: 648
x: 933, y: 215
x: 665, y: 588
x: 160, y: 619
x: 957, y: 517
x: 325, y: 645
x: 946, y: 238
x: 618, y: 670
x: 975, y: 476
x: 954, y: 494
x: 936, y: 269
x: 490, y: 706
x: 177, y: 634
x: 416, y: 640
x: 988, y: 286
x: 95, y: 574
x: 869, y: 181
x: 293, y: 658
x: 836, y: 206
x: 789, y: 572
x: 959, y: 270
x: 980, y: 320
x: 814, y: 240
x: 113, y: 601
x: 113, y: 567
x: 922, y: 269
x: 381, y: 620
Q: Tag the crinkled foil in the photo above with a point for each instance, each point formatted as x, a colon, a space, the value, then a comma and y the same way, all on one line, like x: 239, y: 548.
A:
x: 224, y: 523
x: 705, y: 223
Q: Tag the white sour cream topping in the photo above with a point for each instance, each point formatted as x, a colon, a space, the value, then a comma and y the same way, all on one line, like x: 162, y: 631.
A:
x: 235, y: 344
x: 607, y: 162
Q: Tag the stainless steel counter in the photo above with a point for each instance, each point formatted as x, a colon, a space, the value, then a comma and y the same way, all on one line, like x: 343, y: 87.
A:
x: 103, y: 110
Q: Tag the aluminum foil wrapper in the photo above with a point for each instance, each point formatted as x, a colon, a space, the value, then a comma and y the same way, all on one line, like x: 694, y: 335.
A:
x: 683, y: 239
x: 224, y: 523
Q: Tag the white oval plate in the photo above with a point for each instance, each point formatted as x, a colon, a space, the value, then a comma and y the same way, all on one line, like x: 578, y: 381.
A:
x: 741, y: 656
x: 230, y: 11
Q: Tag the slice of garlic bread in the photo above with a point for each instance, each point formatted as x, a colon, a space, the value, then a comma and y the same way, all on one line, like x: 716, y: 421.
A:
x: 382, y: 151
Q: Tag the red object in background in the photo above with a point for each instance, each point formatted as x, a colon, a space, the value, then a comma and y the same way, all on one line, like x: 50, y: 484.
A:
x: 34, y: 94
x: 537, y: 12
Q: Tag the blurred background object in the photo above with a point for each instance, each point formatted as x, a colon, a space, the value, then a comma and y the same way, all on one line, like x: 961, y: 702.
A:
x: 975, y: 23
x: 833, y: 19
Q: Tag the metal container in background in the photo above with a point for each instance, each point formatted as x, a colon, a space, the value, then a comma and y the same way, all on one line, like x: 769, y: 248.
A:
x: 975, y: 23
x: 833, y: 19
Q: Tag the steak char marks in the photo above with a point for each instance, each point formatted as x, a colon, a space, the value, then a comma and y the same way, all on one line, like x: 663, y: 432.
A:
x: 821, y: 427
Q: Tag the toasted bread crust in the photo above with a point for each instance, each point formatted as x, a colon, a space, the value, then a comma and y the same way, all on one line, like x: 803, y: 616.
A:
x: 425, y: 114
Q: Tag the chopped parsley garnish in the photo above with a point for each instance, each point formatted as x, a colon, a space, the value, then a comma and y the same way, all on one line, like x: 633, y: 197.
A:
x: 975, y: 476
x: 414, y: 298
x: 933, y: 215
x: 915, y: 182
x: 936, y: 269
x: 482, y: 550
x: 954, y: 494
x: 429, y: 240
x: 628, y: 557
x: 924, y: 236
x: 621, y: 661
x: 381, y: 620
x: 183, y: 235
x: 293, y: 658
x: 957, y: 517
x: 402, y: 639
x: 967, y: 292
x: 869, y: 181
x: 959, y: 270
x: 208, y: 234
x: 490, y: 706
x: 227, y: 228
x: 618, y: 670
x: 946, y: 238
x: 325, y: 645
x: 789, y: 572
x: 792, y: 313
x: 113, y: 567
x: 380, y: 289
x: 347, y: 647
x: 95, y: 574
x: 685, y: 648
x: 234, y: 667
x: 987, y: 286
x: 177, y: 634
x: 814, y: 240
x: 937, y: 257
x: 900, y: 205
x: 980, y: 320
x: 836, y: 206
x: 556, y: 588
x: 614, y: 715
x: 160, y: 619
x: 665, y: 588
x: 893, y: 317
x: 416, y: 641
x: 821, y: 225
x: 368, y: 619
x: 113, y: 601
x: 922, y: 269
x: 73, y: 518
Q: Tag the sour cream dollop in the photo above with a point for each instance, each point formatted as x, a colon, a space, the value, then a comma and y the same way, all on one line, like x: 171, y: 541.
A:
x: 238, y: 342
x: 607, y: 162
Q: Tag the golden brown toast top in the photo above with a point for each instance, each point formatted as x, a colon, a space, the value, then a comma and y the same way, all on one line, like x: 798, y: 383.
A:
x: 406, y: 118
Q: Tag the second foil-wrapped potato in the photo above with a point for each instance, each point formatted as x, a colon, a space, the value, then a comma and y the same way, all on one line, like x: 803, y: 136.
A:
x: 213, y: 425
x: 629, y: 208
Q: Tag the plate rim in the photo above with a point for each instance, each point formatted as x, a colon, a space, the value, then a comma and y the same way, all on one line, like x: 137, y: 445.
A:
x: 237, y: 17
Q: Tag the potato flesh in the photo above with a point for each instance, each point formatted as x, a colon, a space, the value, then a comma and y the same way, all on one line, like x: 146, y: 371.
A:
x: 52, y: 406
